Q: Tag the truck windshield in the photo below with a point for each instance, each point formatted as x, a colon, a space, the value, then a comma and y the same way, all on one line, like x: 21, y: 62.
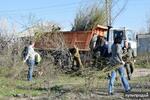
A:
x: 119, y: 33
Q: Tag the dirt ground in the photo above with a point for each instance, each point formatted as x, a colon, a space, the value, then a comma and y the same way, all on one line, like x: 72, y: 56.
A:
x: 101, y: 93
x: 139, y: 72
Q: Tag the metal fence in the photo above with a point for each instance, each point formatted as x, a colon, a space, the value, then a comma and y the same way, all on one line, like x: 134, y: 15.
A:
x: 143, y: 44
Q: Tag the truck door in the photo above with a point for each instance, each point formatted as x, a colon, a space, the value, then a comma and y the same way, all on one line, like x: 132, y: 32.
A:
x: 121, y: 35
x: 131, y: 38
x: 113, y: 34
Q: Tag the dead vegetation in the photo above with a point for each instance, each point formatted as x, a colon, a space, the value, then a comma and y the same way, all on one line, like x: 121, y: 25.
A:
x: 49, y: 74
x: 89, y: 17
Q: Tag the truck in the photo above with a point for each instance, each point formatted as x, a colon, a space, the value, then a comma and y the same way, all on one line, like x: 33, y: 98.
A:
x: 82, y: 40
x: 126, y: 35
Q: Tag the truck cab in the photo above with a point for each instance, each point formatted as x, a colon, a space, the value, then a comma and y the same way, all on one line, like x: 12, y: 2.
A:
x: 125, y: 34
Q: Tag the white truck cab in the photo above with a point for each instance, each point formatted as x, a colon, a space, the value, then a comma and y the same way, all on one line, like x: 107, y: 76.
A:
x: 126, y: 35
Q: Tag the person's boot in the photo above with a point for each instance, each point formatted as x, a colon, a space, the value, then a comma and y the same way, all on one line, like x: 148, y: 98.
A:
x: 129, y: 90
x: 129, y: 76
x: 110, y: 93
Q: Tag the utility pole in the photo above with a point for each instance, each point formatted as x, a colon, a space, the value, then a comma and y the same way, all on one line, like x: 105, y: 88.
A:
x: 108, y: 4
